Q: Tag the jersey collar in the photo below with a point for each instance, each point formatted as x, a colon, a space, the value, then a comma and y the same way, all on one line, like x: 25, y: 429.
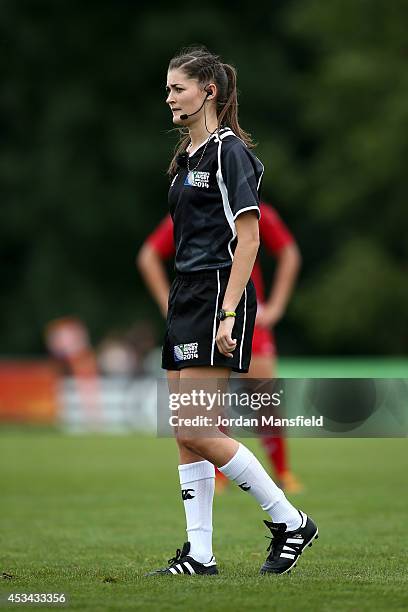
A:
x: 212, y: 137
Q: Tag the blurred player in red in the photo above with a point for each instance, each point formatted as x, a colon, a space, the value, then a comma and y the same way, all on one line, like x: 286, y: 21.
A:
x: 278, y: 241
x: 68, y: 341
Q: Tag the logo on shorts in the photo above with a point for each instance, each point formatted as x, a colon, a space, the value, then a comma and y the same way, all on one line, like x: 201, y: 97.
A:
x: 182, y: 352
x: 197, y: 179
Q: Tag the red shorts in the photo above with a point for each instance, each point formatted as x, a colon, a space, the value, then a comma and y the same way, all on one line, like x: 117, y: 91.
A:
x: 263, y: 343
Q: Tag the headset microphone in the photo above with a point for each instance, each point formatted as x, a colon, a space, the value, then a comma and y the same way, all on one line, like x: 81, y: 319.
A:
x: 185, y: 116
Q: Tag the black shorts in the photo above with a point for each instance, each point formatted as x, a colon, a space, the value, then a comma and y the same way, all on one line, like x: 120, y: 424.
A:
x: 192, y: 322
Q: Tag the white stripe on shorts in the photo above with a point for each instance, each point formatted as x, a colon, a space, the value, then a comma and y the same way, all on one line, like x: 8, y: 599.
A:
x: 215, y: 319
x: 243, y: 330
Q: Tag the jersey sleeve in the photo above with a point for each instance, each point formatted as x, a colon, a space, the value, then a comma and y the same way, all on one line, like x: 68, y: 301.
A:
x: 162, y: 240
x: 241, y: 174
x: 274, y: 234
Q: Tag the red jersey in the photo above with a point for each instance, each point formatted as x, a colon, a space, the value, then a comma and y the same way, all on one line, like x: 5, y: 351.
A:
x: 273, y: 233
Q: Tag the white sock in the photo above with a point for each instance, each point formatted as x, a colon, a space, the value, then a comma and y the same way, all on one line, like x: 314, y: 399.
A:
x: 245, y: 469
x: 197, y: 482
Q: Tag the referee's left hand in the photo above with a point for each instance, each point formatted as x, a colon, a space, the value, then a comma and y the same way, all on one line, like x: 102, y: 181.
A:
x: 224, y: 340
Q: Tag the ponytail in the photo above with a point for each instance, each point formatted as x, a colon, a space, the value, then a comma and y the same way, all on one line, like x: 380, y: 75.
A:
x: 229, y: 113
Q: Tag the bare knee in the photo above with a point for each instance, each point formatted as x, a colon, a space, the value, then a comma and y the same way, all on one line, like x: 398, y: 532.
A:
x: 187, y: 442
x: 192, y: 443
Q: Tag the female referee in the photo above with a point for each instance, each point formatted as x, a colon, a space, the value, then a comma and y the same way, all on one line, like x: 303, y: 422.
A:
x: 214, y: 203
x: 278, y: 241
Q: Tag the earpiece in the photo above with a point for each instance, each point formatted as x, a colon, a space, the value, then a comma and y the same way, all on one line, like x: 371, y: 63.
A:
x: 209, y: 92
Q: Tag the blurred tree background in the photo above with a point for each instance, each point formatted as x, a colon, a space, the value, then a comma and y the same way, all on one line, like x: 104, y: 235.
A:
x: 85, y: 143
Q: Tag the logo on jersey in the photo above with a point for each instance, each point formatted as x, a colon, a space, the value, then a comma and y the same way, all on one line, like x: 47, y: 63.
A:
x: 173, y: 181
x: 197, y: 179
x: 183, y: 352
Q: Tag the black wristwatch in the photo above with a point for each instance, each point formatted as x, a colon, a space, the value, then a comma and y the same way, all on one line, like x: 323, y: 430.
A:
x: 223, y: 314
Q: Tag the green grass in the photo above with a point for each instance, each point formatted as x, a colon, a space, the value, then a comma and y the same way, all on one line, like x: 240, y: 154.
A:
x: 340, y: 367
x: 78, y: 510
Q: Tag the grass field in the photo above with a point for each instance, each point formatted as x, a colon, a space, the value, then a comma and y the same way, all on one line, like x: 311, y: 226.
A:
x: 87, y: 515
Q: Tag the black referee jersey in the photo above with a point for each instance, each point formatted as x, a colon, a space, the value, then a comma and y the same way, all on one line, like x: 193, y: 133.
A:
x: 222, y: 183
x: 205, y: 202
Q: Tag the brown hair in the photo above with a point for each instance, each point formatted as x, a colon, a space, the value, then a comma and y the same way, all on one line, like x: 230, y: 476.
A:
x: 200, y: 64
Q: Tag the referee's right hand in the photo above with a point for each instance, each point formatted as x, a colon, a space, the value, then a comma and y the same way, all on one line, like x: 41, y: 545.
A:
x: 224, y: 340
